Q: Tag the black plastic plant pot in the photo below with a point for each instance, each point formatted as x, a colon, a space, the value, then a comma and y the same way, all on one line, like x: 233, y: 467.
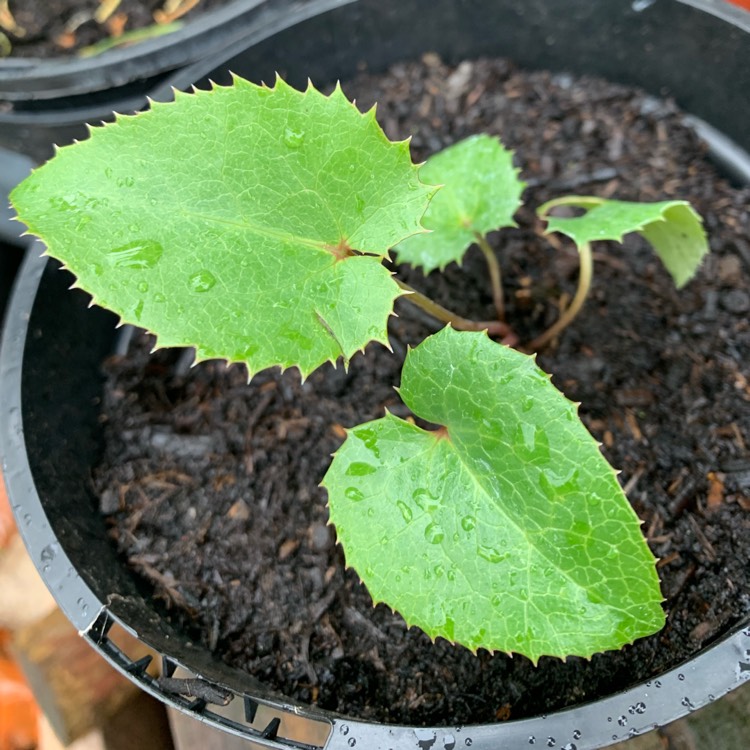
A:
x: 50, y: 382
x: 46, y: 102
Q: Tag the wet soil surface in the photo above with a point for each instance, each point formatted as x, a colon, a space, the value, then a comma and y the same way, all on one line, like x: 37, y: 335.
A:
x: 211, y: 486
x: 55, y: 28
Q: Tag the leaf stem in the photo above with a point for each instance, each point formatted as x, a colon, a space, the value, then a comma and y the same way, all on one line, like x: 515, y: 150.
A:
x: 567, y: 317
x: 493, y: 327
x: 496, y: 277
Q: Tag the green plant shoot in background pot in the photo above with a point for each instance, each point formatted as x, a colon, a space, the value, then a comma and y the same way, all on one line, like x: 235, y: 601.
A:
x: 255, y: 225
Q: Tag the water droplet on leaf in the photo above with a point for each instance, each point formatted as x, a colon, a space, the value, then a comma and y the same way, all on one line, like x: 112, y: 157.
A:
x: 202, y: 281
x: 406, y: 511
x: 490, y: 554
x: 294, y: 138
x: 425, y: 500
x: 360, y: 469
x: 468, y: 523
x: 142, y: 254
x: 434, y: 533
x: 354, y: 494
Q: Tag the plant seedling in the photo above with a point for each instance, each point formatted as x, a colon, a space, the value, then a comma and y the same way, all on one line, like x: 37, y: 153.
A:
x: 253, y: 224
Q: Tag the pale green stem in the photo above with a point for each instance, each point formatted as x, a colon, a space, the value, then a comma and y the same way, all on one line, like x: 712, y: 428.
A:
x: 493, y: 327
x: 584, y: 284
x: 496, y: 277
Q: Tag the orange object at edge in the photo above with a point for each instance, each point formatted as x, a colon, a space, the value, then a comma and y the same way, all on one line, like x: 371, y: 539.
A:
x: 7, y: 525
x: 19, y: 715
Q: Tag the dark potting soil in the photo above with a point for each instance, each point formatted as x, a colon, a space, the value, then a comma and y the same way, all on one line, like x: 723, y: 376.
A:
x: 211, y: 485
x: 55, y: 28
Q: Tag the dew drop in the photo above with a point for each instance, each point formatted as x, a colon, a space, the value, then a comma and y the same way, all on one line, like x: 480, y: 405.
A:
x: 622, y: 720
x: 352, y: 742
x: 354, y: 494
x: 576, y: 734
x: 406, y: 512
x: 294, y: 138
x: 360, y: 469
x: 680, y: 676
x: 143, y: 287
x: 434, y: 533
x: 159, y: 297
x: 202, y: 281
x: 439, y: 571
x: 370, y: 439
x: 344, y: 729
x: 468, y: 523
x: 532, y: 739
x: 425, y: 500
x: 137, y: 254
x: 490, y: 554
x: 108, y: 172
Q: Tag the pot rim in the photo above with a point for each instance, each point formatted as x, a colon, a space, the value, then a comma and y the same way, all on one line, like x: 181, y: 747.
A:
x: 711, y: 673
x: 22, y: 79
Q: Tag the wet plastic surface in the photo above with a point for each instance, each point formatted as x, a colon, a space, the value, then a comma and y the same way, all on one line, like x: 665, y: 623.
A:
x: 46, y: 102
x: 49, y: 426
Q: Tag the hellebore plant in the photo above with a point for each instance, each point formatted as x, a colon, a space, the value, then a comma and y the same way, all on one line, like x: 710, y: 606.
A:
x: 252, y: 223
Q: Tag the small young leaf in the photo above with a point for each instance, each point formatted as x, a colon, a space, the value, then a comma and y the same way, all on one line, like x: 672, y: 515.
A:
x: 673, y: 228
x: 481, y: 192
x: 228, y: 221
x: 505, y: 528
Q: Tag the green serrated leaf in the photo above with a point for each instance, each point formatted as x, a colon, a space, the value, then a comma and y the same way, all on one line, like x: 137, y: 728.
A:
x: 506, y: 529
x: 481, y: 192
x: 673, y: 228
x: 226, y: 221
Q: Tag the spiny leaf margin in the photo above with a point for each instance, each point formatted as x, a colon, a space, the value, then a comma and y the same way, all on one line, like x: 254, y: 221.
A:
x: 480, y: 193
x: 434, y: 522
x: 102, y: 211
